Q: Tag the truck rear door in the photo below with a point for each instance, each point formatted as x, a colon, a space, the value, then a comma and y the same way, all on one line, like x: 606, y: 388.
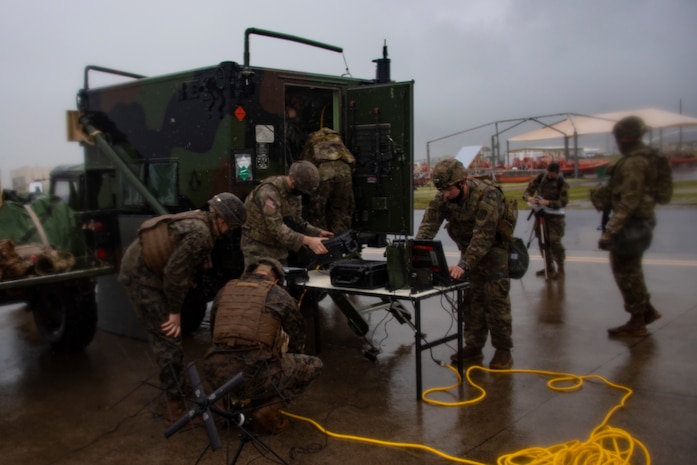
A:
x: 380, y: 135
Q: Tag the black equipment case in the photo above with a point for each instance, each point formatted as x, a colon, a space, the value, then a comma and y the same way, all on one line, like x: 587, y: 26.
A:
x: 358, y: 273
x: 295, y: 276
x: 338, y: 246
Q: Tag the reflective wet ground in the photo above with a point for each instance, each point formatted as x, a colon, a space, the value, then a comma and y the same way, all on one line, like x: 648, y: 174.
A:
x: 97, y: 407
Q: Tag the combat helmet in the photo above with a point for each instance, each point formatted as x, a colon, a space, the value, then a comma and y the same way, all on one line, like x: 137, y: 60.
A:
x: 630, y: 127
x: 230, y: 208
x: 269, y: 264
x: 448, y: 172
x: 305, y: 176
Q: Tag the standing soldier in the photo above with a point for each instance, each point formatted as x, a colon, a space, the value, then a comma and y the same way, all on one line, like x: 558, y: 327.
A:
x: 275, y: 225
x: 552, y: 193
x: 332, y: 206
x: 258, y: 330
x: 160, y: 267
x: 473, y: 210
x: 628, y: 233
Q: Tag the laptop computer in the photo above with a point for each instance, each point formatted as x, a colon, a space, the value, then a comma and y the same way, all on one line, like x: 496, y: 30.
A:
x: 429, y: 255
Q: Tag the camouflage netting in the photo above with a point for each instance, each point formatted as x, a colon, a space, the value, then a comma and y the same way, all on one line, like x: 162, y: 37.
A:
x: 18, y: 234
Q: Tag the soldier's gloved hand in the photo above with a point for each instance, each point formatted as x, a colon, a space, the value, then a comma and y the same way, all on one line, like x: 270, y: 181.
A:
x: 605, y: 242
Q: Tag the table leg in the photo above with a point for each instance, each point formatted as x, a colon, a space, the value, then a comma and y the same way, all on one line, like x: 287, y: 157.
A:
x: 460, y: 329
x: 417, y: 335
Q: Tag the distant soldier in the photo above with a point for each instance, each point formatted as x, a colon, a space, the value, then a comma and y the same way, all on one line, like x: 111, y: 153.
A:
x: 332, y: 205
x: 158, y: 270
x: 552, y: 193
x: 274, y: 224
x: 473, y: 210
x: 628, y: 233
x: 258, y: 330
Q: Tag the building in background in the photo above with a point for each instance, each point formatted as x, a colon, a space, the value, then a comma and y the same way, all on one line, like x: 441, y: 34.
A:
x: 29, y: 179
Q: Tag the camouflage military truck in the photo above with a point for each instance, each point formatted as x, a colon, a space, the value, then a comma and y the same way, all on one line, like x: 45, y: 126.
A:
x: 164, y: 144
x: 47, y: 260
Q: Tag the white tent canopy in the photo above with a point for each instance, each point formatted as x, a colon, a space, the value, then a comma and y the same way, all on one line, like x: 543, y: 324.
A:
x: 467, y: 154
x: 579, y: 125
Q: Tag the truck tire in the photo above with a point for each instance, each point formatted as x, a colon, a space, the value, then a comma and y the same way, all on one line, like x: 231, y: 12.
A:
x: 66, y: 316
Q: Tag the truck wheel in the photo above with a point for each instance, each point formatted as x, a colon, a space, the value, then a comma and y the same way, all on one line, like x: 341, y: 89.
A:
x: 66, y: 316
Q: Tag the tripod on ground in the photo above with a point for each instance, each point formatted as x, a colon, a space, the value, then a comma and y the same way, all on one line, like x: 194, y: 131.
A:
x: 206, y: 404
x: 539, y: 213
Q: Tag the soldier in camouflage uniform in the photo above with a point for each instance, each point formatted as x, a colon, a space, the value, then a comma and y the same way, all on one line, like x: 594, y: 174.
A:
x: 274, y: 223
x: 333, y: 204
x: 258, y: 330
x: 553, y: 193
x: 158, y: 270
x: 632, y: 203
x: 473, y: 209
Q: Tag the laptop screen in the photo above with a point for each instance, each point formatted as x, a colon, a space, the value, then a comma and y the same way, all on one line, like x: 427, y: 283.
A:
x: 429, y: 254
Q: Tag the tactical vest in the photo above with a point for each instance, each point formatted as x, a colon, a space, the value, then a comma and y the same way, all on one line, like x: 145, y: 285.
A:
x: 156, y: 241
x: 241, y: 320
x: 549, y: 189
x: 647, y: 200
x: 505, y: 223
x: 256, y: 223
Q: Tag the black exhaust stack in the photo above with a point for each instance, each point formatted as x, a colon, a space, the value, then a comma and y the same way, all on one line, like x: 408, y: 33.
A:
x: 382, y: 73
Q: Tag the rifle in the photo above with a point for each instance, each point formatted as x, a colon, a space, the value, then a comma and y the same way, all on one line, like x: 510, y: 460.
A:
x: 604, y: 219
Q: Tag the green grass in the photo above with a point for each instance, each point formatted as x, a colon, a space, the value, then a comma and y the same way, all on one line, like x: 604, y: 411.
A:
x: 684, y: 193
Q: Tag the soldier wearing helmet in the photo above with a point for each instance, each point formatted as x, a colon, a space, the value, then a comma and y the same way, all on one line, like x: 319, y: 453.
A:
x: 333, y: 204
x: 472, y: 210
x: 257, y: 329
x: 159, y: 269
x: 550, y: 193
x: 629, y: 231
x: 274, y: 224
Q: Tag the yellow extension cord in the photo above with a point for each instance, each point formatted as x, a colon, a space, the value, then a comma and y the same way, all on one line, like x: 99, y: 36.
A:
x: 606, y: 445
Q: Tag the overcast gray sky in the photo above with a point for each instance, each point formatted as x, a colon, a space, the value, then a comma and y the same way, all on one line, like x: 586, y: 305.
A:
x: 473, y: 61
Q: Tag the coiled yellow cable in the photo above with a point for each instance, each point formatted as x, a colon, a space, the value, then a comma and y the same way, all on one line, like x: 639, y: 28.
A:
x: 605, y: 446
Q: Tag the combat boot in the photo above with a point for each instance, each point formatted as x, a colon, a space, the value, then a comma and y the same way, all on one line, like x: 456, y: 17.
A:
x: 635, y: 327
x: 560, y: 270
x: 174, y: 409
x: 270, y: 418
x: 502, y: 360
x: 469, y: 354
x: 651, y: 315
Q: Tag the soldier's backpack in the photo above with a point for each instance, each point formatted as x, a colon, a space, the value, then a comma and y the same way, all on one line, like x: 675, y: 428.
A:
x: 664, y: 176
x: 509, y: 219
x: 518, y: 256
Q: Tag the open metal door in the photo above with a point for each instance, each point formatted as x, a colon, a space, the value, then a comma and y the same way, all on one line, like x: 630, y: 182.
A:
x: 380, y: 135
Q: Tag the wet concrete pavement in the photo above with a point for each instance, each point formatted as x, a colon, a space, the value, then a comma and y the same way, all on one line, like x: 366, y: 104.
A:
x: 97, y: 407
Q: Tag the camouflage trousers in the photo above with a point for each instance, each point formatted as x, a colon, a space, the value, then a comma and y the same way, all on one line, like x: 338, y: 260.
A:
x: 629, y: 277
x: 487, y: 303
x: 263, y: 377
x: 254, y: 250
x: 333, y: 204
x: 144, y: 292
x: 554, y: 232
